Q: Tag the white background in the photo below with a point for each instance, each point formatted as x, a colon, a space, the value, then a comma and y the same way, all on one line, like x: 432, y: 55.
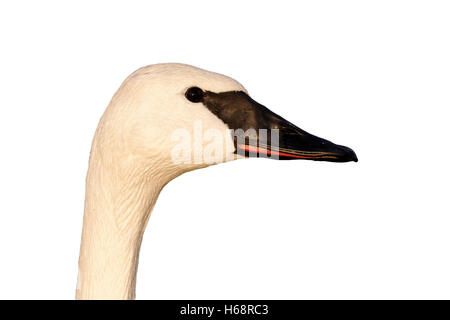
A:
x: 372, y: 75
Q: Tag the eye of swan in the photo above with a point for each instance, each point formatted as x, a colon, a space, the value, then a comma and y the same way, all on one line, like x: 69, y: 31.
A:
x: 194, y: 94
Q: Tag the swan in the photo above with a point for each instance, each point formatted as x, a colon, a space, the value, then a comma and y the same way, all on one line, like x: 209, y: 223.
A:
x: 165, y: 120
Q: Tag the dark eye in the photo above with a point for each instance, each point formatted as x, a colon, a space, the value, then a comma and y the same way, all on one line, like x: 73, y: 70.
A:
x: 194, y: 94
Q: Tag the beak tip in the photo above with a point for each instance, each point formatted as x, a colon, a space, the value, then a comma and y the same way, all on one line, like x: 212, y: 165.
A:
x: 349, y: 155
x: 354, y: 157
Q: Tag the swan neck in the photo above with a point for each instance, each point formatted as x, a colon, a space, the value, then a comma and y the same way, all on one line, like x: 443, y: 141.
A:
x: 117, y: 208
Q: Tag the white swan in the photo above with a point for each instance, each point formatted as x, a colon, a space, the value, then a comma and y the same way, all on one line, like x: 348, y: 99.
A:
x: 165, y: 120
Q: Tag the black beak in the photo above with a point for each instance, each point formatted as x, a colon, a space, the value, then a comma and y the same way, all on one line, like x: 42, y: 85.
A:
x: 258, y: 132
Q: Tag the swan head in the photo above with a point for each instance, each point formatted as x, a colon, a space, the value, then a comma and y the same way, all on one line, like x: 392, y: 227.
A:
x: 182, y: 118
x: 165, y: 120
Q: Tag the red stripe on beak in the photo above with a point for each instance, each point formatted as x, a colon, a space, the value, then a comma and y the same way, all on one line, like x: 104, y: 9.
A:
x: 259, y: 150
